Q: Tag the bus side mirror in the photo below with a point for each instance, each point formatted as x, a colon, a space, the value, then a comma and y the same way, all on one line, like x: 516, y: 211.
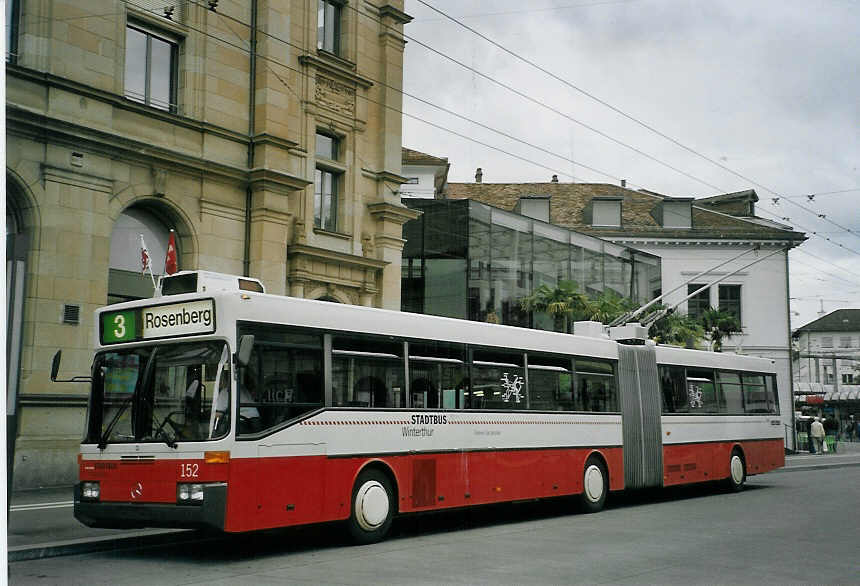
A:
x: 246, y: 345
x: 55, y: 365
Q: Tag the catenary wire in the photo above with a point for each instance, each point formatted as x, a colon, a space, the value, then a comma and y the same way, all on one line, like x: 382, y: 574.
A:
x: 617, y: 110
x: 417, y: 118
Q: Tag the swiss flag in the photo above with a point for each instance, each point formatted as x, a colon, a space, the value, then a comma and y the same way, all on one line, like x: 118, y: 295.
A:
x: 170, y: 260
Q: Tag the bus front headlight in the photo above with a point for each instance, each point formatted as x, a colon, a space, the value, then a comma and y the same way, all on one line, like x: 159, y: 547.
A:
x: 90, y: 491
x: 189, y: 494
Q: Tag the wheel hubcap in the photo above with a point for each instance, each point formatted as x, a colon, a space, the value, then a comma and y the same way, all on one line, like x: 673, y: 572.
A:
x: 737, y: 470
x: 371, y: 505
x: 593, y: 483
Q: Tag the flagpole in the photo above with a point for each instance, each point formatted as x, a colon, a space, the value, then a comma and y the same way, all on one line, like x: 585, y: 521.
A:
x: 146, y: 261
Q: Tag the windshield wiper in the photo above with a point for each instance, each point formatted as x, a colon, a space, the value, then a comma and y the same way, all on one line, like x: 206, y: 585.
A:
x: 140, y: 384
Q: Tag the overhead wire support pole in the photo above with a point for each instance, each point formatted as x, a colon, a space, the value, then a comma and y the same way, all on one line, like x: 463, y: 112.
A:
x: 655, y: 316
x: 620, y: 321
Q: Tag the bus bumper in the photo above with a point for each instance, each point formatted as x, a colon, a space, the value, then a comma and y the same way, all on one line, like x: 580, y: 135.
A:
x: 113, y: 515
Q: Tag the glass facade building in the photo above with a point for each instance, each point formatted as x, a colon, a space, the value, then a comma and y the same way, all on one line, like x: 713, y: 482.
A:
x: 468, y: 260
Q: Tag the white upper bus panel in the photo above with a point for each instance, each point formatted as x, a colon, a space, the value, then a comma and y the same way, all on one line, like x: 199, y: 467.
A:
x: 205, y: 282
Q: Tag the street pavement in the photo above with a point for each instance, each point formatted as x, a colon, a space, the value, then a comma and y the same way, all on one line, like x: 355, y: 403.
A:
x: 41, y: 521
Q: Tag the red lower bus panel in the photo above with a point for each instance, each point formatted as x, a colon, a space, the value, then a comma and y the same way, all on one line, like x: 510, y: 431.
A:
x: 688, y: 463
x: 278, y: 492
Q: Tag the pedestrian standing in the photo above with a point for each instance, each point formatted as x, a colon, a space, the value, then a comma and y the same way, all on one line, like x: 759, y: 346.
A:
x: 816, y: 430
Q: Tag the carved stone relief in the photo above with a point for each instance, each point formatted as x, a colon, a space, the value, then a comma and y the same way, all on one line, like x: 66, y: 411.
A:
x: 335, y: 96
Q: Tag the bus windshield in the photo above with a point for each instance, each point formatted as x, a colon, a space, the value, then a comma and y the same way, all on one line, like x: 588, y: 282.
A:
x: 163, y: 393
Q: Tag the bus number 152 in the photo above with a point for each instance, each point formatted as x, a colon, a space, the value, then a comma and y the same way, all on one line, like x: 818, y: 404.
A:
x: 188, y: 470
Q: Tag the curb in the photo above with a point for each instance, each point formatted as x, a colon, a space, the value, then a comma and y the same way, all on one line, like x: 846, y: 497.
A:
x: 821, y: 466
x: 110, y: 543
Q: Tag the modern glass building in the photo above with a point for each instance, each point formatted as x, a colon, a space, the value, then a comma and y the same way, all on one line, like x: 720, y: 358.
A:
x: 468, y: 260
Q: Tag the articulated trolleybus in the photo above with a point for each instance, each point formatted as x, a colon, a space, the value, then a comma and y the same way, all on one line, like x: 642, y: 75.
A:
x: 216, y: 405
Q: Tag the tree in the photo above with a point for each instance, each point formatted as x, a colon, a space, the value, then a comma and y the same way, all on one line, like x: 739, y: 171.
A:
x: 719, y: 324
x: 608, y: 305
x: 561, y: 303
x: 677, y: 329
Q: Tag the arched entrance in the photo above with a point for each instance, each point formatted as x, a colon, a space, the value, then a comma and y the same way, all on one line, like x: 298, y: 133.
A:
x: 17, y: 247
x: 126, y: 281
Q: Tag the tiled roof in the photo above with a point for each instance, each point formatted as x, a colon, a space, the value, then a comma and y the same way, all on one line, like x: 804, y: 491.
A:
x: 841, y: 320
x: 640, y: 215
x: 410, y: 157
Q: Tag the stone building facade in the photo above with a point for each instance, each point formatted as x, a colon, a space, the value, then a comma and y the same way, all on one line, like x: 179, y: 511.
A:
x: 265, y: 133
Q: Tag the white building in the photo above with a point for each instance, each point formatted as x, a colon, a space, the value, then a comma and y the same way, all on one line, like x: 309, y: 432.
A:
x: 426, y: 175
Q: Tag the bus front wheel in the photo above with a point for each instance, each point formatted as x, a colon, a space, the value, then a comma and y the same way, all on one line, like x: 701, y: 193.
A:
x: 372, y: 507
x: 737, y: 472
x: 595, y: 485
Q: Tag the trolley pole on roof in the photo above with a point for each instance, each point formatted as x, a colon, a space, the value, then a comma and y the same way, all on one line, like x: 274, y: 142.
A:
x: 620, y: 321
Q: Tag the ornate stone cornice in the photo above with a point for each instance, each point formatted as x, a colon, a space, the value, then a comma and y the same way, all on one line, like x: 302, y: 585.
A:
x: 220, y: 209
x: 20, y: 122
x: 391, y: 212
x: 337, y: 68
x: 77, y: 179
x: 341, y: 258
x: 271, y: 180
x: 384, y: 176
x: 395, y: 14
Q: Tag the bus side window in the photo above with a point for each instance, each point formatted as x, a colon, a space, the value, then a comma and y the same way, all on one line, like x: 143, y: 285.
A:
x: 674, y: 390
x: 367, y: 371
x: 498, y: 380
x: 701, y: 391
x: 595, y: 386
x: 550, y: 383
x: 435, y: 369
x: 731, y: 398
x: 283, y: 379
x: 773, y: 395
x: 755, y: 394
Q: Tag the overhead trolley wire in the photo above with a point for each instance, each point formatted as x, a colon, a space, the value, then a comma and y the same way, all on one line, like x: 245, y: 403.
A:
x: 623, y: 113
x: 400, y: 111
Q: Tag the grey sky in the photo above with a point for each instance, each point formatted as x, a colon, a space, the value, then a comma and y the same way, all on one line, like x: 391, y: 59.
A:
x: 770, y: 89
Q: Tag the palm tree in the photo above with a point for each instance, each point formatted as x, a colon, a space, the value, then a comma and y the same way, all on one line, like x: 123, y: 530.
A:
x: 561, y: 303
x: 677, y: 329
x: 608, y: 305
x: 719, y: 324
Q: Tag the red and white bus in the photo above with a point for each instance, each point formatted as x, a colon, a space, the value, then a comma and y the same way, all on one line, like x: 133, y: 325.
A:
x: 217, y: 405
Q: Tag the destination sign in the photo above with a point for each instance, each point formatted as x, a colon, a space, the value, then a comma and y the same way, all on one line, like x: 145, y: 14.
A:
x: 159, y: 321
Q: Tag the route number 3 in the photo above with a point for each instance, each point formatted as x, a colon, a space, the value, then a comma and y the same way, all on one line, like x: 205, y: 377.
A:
x: 188, y: 470
x: 119, y: 320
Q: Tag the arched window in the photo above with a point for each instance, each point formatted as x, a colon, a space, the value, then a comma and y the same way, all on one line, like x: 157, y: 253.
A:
x: 125, y: 280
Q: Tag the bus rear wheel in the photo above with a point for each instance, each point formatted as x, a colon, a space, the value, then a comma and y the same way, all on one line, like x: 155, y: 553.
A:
x: 737, y: 472
x: 372, y: 507
x: 595, y: 485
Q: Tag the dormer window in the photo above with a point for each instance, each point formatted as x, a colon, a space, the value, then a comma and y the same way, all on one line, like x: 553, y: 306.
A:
x: 606, y: 213
x: 677, y: 214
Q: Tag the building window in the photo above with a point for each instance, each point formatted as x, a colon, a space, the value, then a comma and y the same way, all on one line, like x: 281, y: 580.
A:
x: 327, y: 182
x: 730, y: 300
x: 845, y: 341
x: 150, y: 68
x: 677, y: 214
x: 328, y: 26
x: 606, y: 213
x: 827, y: 341
x: 697, y: 304
x: 12, y: 9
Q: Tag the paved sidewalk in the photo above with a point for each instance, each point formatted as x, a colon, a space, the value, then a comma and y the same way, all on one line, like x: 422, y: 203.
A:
x: 42, y: 524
